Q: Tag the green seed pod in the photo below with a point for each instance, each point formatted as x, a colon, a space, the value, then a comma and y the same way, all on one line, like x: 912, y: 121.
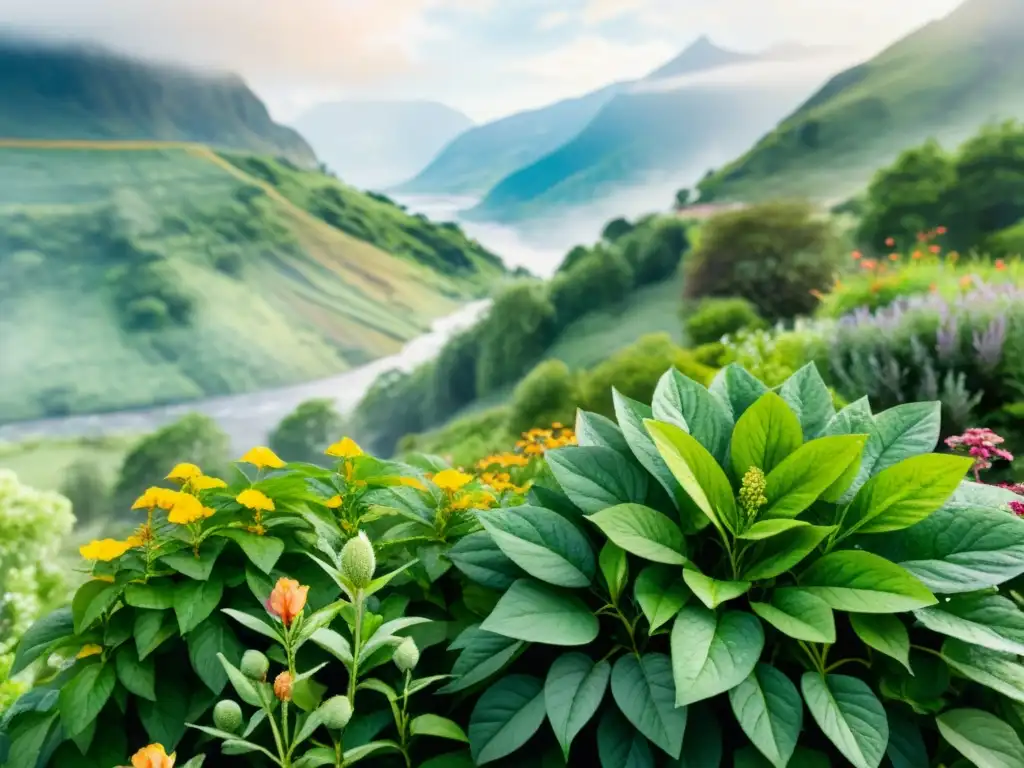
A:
x: 407, y: 655
x: 358, y: 561
x: 227, y: 716
x: 255, y: 665
x: 336, y: 712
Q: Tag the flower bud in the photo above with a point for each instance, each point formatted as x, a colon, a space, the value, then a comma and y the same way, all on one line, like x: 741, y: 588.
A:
x: 283, y: 686
x: 255, y: 665
x: 358, y: 561
x: 336, y: 712
x: 407, y: 655
x: 227, y: 716
x: 751, y: 494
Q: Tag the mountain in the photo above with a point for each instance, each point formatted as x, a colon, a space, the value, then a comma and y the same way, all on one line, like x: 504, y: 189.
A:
x: 696, y: 111
x: 136, y: 274
x: 942, y: 81
x: 377, y: 144
x: 52, y: 91
x: 477, y: 159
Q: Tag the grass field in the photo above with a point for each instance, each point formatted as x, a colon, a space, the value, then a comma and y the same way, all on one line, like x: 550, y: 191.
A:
x: 42, y: 464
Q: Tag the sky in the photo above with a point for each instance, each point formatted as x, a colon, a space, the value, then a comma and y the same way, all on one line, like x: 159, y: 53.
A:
x: 486, y: 57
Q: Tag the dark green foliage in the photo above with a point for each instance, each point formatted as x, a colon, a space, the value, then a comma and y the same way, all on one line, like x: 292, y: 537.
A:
x: 304, y: 433
x: 603, y: 277
x: 682, y: 198
x: 615, y: 229
x: 546, y: 395
x: 518, y: 328
x: 656, y: 249
x: 715, y: 318
x: 773, y: 254
x: 573, y: 257
x: 87, y: 490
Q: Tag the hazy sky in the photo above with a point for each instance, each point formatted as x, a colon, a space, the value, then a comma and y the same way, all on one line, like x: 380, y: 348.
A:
x: 486, y: 57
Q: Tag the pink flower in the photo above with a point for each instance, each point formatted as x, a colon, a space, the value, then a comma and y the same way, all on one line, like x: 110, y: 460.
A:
x: 982, y: 444
x: 1017, y: 507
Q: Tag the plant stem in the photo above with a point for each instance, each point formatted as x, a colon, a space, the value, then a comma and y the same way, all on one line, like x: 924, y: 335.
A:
x: 404, y: 727
x: 629, y: 631
x: 840, y: 663
x: 357, y: 641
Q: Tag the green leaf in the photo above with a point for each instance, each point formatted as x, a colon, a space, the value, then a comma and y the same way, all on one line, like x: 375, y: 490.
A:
x: 83, y: 697
x: 808, y: 472
x: 597, y: 430
x: 195, y: 600
x: 41, y: 636
x: 251, y: 622
x: 206, y: 644
x: 139, y: 677
x: 355, y: 754
x: 799, y: 614
x: 614, y: 567
x: 91, y: 601
x: 850, y: 715
x: 620, y: 745
x: 907, y: 430
x: 594, y: 478
x: 688, y: 405
x: 164, y: 719
x: 769, y: 710
x: 1001, y: 672
x: 505, y: 717
x: 532, y: 612
x: 698, y: 473
x: 785, y: 551
x: 542, y: 543
x: 737, y: 388
x: 805, y: 392
x: 244, y: 687
x: 262, y: 551
x: 713, y: 592
x: 477, y: 556
x: 152, y: 628
x: 645, y: 694
x: 660, y: 592
x: 982, y: 738
x: 860, y: 582
x: 765, y: 435
x: 643, y: 531
x: 886, y: 634
x: 990, y: 621
x: 157, y: 595
x: 702, y: 742
x: 905, y: 494
x: 854, y: 419
x: 712, y: 653
x: 185, y: 562
x: 765, y: 529
x: 435, y: 725
x: 906, y: 748
x: 484, y: 654
x: 573, y: 691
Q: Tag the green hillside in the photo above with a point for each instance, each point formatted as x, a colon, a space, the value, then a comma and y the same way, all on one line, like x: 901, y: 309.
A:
x: 135, y: 277
x: 942, y: 81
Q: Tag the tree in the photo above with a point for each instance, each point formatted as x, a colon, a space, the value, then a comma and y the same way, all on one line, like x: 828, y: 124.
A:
x: 655, y: 250
x: 682, y: 199
x: 305, y: 433
x: 573, y: 257
x: 88, y: 491
x: 602, y: 278
x: 547, y: 394
x: 516, y: 331
x: 615, y: 229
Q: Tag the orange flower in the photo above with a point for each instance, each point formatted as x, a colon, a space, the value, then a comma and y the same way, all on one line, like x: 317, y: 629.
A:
x: 153, y: 756
x: 894, y: 257
x: 934, y: 248
x: 283, y: 686
x: 966, y: 281
x: 890, y: 242
x: 287, y: 600
x: 869, y: 264
x: 940, y: 230
x: 917, y: 255
x: 856, y: 255
x: 1000, y: 264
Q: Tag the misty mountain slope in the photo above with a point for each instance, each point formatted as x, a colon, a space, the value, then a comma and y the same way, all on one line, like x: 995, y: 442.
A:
x: 661, y: 132
x: 700, y: 55
x: 65, y: 92
x: 941, y: 81
x: 477, y: 159
x: 377, y: 144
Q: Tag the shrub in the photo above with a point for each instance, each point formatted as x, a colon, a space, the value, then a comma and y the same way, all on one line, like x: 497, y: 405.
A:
x: 600, y: 279
x: 304, y: 433
x: 516, y: 331
x: 774, y: 255
x: 547, y: 394
x: 87, y: 489
x: 775, y: 354
x: 715, y: 318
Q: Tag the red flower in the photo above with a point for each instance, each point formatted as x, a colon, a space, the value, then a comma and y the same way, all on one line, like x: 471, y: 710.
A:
x: 940, y: 230
x: 1000, y: 264
x: 934, y: 248
x: 890, y: 242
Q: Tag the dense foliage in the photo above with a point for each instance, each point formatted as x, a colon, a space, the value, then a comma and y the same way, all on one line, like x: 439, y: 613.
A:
x: 714, y: 318
x: 304, y: 434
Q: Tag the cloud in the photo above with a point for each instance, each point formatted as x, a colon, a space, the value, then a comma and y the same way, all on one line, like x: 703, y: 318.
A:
x: 600, y: 11
x: 553, y: 20
x: 592, y: 61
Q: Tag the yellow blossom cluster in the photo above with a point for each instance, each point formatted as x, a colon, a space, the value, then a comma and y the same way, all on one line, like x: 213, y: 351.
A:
x: 536, y: 441
x: 106, y: 550
x: 503, y: 460
x: 346, y: 448
x: 473, y: 500
x: 501, y: 481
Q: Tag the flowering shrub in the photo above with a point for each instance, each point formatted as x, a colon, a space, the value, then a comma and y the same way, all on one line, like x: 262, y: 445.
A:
x: 775, y: 354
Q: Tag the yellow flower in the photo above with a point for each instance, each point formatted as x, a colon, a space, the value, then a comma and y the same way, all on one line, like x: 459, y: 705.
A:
x: 262, y: 457
x: 474, y: 500
x: 187, y: 510
x: 334, y: 502
x: 346, y: 448
x: 205, y: 483
x: 89, y: 650
x: 104, y: 549
x: 134, y: 541
x: 451, y: 479
x: 255, y: 500
x: 412, y: 482
x: 164, y: 498
x: 182, y: 473
x: 153, y: 756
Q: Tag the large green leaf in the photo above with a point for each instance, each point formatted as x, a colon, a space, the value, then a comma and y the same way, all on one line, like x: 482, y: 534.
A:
x: 712, y: 652
x: 885, y: 633
x: 660, y: 592
x: 152, y: 629
x: 505, y: 717
x: 199, y: 567
x: 595, y: 478
x: 614, y: 566
x: 799, y: 614
x: 854, y: 419
x: 805, y: 392
x: 768, y: 708
x: 765, y: 435
x: 1001, y: 672
x: 262, y: 551
x: 906, y: 748
x: 850, y: 715
x: 765, y: 529
x: 645, y: 694
x: 164, y: 719
x: 84, y: 696
x: 483, y: 654
x: 620, y: 745
x: 477, y: 556
x: 737, y: 388
x: 682, y: 401
x: 697, y: 471
x: 214, y: 636
x: 42, y: 635
x: 643, y: 531
x: 982, y: 738
x: 860, y: 582
x: 783, y: 552
x: 157, y: 595
x: 808, y: 472
x: 991, y: 621
x: 195, y: 600
x: 598, y: 430
x: 91, y: 601
x: 139, y: 677
x: 905, y: 493
x: 533, y: 612
x: 573, y: 691
x: 542, y: 543
x: 713, y: 592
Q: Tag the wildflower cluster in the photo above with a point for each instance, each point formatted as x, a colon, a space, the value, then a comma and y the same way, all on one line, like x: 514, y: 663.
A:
x: 1017, y: 507
x: 983, y: 445
x: 536, y: 441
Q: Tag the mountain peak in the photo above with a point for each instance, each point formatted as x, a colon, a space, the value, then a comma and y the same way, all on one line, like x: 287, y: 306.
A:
x: 701, y: 54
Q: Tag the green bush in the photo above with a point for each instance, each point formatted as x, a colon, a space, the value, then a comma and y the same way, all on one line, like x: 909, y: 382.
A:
x: 715, y: 318
x: 305, y: 432
x: 776, y: 255
x: 600, y: 279
x: 88, y: 491
x: 546, y: 395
